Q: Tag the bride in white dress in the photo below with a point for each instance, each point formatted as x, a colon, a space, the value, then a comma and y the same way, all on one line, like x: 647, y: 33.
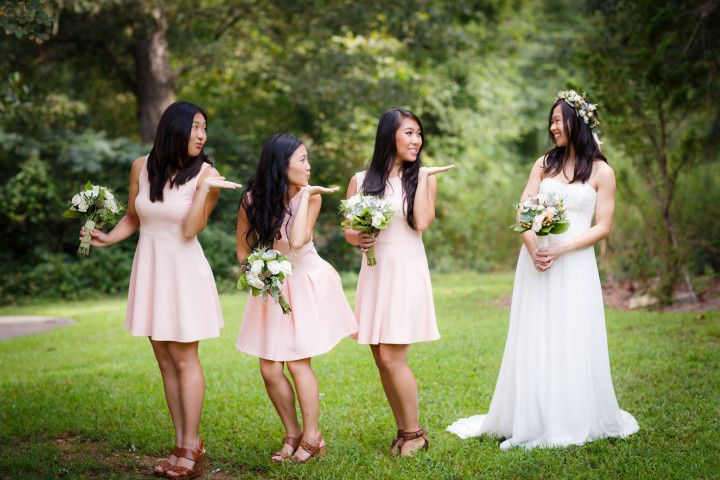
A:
x: 554, y: 387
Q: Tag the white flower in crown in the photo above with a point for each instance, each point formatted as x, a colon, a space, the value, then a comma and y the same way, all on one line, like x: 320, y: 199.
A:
x: 582, y: 107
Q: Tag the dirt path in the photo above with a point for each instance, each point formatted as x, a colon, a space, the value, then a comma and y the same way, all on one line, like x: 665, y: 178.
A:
x: 25, y: 325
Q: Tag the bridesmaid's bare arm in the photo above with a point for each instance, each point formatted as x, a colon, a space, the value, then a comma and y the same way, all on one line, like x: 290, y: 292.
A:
x: 426, y: 195
x: 306, y: 215
x: 243, y: 247
x: 130, y: 222
x: 206, y: 196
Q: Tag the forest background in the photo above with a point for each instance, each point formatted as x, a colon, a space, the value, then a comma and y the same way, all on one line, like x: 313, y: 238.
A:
x: 83, y: 83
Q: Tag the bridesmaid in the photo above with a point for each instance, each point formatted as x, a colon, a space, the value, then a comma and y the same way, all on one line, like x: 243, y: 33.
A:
x: 172, y: 298
x: 280, y: 209
x: 394, y: 303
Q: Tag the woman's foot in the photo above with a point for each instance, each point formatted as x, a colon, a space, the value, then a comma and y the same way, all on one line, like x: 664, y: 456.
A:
x: 413, y: 441
x: 290, y: 445
x: 190, y: 464
x: 396, y: 443
x: 168, y: 463
x: 309, y: 449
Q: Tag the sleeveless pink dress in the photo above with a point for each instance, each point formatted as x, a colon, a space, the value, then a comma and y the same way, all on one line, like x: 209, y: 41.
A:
x: 394, y: 300
x: 172, y: 294
x: 321, y: 315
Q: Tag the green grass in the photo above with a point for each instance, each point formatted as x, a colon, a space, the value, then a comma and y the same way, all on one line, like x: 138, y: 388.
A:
x: 98, y: 388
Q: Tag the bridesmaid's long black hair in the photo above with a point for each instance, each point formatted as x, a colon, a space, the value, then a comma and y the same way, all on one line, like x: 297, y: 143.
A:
x: 266, y: 198
x: 384, y: 156
x: 169, y: 158
x: 580, y: 136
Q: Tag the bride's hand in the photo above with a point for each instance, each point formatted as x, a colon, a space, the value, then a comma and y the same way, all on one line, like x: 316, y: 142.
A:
x: 317, y: 189
x: 539, y: 261
x: 547, y: 255
x: 433, y: 170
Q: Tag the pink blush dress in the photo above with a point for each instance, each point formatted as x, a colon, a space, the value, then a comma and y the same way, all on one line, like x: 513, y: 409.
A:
x: 394, y: 299
x: 321, y: 315
x: 172, y: 295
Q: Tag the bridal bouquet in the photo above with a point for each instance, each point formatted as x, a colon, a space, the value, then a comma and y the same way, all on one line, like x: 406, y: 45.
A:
x: 543, y: 213
x: 367, y: 214
x: 264, y: 272
x: 97, y: 206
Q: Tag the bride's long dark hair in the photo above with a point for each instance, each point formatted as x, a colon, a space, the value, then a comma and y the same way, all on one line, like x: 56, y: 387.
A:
x: 580, y: 136
x: 266, y: 198
x: 169, y: 159
x: 384, y: 156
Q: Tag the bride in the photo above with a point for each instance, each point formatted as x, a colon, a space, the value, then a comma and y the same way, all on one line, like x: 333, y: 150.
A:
x: 554, y: 387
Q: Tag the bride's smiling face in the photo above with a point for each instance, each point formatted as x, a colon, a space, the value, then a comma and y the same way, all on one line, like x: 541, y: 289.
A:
x: 557, y: 127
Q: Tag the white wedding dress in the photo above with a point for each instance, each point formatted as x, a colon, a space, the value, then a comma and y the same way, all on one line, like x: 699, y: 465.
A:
x: 554, y: 387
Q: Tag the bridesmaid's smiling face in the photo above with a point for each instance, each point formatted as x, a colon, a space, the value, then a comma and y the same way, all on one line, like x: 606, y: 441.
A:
x: 408, y: 140
x: 557, y: 127
x: 198, y: 135
x: 298, y: 170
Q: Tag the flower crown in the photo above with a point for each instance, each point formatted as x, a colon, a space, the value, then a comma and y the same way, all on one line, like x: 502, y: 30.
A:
x: 582, y: 107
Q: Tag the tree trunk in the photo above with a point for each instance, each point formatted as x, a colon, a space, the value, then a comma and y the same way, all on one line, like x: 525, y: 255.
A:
x: 155, y: 79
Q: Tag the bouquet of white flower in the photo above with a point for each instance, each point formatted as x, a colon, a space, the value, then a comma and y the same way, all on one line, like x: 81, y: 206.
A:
x: 263, y: 273
x: 367, y: 214
x: 97, y: 205
x: 543, y: 213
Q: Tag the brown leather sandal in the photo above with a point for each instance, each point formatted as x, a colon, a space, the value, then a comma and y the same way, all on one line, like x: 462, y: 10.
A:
x: 184, y: 473
x: 292, y: 442
x: 318, y: 449
x: 407, y: 436
x: 396, y: 443
x: 161, y: 469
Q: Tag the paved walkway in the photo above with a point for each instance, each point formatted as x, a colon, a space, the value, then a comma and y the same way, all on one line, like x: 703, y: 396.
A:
x: 16, y: 326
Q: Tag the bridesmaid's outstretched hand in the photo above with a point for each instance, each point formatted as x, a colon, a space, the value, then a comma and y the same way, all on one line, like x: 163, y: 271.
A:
x: 433, y: 170
x: 317, y: 189
x: 219, y: 182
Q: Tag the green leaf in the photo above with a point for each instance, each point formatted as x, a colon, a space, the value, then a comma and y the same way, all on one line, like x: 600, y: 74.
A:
x: 560, y: 227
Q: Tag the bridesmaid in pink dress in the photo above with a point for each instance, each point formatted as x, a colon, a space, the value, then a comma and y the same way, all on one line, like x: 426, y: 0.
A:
x: 321, y: 316
x: 394, y: 303
x: 172, y: 298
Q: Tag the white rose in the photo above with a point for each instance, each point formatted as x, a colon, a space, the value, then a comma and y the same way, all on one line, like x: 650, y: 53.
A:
x: 286, y: 267
x: 108, y: 194
x: 257, y: 267
x: 83, y: 205
x: 352, y: 201
x: 254, y: 281
x: 111, y: 205
x: 537, y: 223
x: 76, y: 200
x: 377, y: 219
x: 270, y: 254
x: 95, y: 191
x: 274, y: 267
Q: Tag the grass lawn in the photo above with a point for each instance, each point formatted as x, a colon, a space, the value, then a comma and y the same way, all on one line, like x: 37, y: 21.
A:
x: 86, y: 401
